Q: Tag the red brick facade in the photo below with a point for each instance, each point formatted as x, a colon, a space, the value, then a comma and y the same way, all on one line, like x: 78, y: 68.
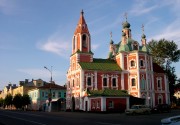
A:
x: 139, y: 76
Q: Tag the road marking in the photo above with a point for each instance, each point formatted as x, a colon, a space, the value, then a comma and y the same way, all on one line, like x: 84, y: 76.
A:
x: 24, y: 113
x: 104, y: 123
x: 23, y: 119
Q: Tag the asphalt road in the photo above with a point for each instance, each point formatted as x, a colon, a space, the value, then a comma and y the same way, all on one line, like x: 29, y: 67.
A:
x: 8, y: 117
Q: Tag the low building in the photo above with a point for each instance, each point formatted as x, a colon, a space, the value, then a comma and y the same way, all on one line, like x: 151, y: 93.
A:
x: 26, y: 85
x: 50, y: 97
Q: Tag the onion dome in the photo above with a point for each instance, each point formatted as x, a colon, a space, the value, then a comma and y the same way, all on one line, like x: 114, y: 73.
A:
x: 126, y: 25
x: 143, y: 36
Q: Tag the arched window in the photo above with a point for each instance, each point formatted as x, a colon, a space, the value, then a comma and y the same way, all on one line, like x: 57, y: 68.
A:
x: 84, y: 40
x: 141, y: 63
x: 159, y: 83
x: 114, y: 82
x: 132, y: 63
x: 89, y: 81
x: 133, y: 82
x: 160, y: 99
x: 104, y: 81
x: 73, y: 83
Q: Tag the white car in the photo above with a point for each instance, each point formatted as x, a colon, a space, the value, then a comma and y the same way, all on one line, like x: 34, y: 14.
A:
x: 138, y: 109
x: 175, y: 120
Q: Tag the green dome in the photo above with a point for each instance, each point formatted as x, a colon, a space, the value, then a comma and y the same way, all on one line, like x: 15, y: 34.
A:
x: 143, y: 36
x: 126, y: 25
x: 145, y: 49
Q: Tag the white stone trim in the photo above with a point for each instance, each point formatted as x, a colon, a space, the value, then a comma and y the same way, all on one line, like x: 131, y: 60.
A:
x: 122, y: 81
x: 81, y: 82
x: 160, y: 80
x: 95, y: 80
x: 105, y: 76
x: 116, y: 77
x: 91, y: 75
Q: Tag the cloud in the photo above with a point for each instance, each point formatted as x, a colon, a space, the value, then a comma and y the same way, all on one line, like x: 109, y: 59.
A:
x: 7, y: 7
x: 95, y: 46
x: 141, y: 7
x: 55, y: 44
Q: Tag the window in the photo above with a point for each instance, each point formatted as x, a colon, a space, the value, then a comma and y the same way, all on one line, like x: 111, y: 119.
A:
x: 73, y: 83
x: 59, y: 94
x: 98, y: 104
x: 46, y: 94
x: 132, y: 63
x: 104, y: 81
x: 69, y: 84
x: 114, y: 82
x: 64, y: 95
x: 84, y: 40
x: 53, y: 94
x: 111, y: 105
x: 159, y: 83
x: 160, y: 99
x: 42, y: 94
x: 141, y: 63
x: 89, y: 81
x: 93, y: 104
x: 133, y: 81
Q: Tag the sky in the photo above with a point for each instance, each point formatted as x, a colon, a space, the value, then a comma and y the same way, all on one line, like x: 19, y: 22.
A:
x: 38, y: 33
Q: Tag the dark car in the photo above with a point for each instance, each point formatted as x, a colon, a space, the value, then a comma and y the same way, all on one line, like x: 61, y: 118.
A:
x: 161, y: 108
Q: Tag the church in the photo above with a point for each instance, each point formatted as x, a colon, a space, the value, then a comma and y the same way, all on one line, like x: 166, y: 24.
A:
x: 95, y: 84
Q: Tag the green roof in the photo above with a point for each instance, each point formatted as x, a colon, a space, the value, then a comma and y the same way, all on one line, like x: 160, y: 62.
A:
x: 107, y: 92
x: 101, y: 65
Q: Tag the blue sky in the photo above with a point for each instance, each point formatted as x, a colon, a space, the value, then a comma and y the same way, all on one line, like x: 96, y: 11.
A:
x: 38, y: 33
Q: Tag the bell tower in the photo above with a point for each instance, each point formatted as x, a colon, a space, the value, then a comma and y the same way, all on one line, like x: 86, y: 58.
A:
x: 81, y: 39
x: 81, y: 43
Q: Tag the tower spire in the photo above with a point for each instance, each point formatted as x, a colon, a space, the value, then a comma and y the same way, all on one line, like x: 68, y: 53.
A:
x: 125, y: 15
x: 111, y: 35
x: 142, y: 29
x: 82, y: 12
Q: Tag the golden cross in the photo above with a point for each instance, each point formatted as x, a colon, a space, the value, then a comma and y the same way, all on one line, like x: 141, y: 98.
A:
x: 142, y: 28
x: 111, y: 34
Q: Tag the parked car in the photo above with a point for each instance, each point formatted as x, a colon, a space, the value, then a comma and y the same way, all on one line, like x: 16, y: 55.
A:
x: 175, y: 120
x: 161, y: 108
x: 138, y: 109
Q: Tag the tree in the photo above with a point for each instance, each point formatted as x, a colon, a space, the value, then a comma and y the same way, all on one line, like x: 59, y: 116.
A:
x: 164, y: 53
x: 8, y: 100
x: 26, y: 100
x: 1, y: 102
x: 17, y: 101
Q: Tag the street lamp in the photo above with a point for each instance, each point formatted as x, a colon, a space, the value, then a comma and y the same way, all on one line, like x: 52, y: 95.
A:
x: 49, y: 71
x: 50, y: 95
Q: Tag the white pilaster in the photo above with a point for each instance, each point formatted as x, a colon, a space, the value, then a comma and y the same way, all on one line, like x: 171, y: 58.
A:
x: 103, y: 104
x: 95, y: 80
x: 81, y: 87
x: 122, y: 80
x: 138, y: 72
